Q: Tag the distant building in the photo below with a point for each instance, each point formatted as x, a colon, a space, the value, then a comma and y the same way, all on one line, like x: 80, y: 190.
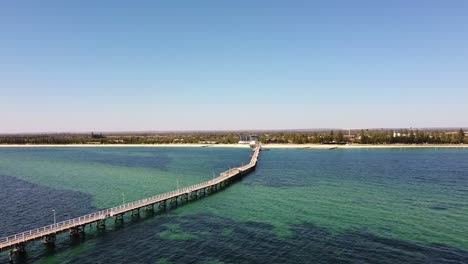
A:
x: 247, y: 139
x: 252, y: 140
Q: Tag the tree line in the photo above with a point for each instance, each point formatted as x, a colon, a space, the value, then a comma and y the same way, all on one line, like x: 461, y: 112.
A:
x: 65, y: 139
x: 404, y: 136
x: 369, y: 137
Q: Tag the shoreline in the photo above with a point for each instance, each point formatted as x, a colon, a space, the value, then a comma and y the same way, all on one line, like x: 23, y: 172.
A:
x: 266, y: 146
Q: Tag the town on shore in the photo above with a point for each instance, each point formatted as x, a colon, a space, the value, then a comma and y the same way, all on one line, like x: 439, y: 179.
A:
x: 280, y: 139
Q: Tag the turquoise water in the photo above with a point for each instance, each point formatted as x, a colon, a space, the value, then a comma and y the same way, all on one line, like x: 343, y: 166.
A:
x: 299, y: 206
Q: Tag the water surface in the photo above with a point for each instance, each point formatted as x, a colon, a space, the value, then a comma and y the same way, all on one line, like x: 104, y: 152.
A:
x: 299, y: 206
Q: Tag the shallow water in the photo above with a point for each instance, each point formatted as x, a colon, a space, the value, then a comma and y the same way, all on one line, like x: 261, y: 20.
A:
x: 299, y: 206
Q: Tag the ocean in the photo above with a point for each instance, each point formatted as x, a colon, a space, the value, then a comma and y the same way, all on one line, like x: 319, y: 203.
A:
x: 299, y: 206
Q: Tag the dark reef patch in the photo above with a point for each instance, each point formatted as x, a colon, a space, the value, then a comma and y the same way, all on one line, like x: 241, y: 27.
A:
x: 25, y: 205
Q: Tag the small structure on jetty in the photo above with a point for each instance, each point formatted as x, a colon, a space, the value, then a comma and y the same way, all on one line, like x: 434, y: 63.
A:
x: 252, y: 140
x: 76, y: 226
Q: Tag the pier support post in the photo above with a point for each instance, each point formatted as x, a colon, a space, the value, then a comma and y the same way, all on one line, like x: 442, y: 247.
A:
x: 184, y: 197
x: 49, y: 240
x: 162, y: 205
x: 20, y: 248
x: 119, y: 218
x: 193, y: 195
x: 76, y: 231
x: 173, y: 202
x: 202, y: 192
x: 101, y: 224
x: 136, y: 213
x: 150, y: 208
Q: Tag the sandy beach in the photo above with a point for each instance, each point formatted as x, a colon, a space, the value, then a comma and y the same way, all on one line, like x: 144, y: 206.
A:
x: 267, y: 146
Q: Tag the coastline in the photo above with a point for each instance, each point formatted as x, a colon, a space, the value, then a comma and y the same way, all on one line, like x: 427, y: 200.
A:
x: 361, y: 146
x: 267, y: 146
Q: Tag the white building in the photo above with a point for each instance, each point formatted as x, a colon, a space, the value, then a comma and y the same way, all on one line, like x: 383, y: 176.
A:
x: 252, y: 140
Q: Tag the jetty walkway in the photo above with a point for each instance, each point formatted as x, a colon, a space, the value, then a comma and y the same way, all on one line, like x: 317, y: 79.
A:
x: 76, y: 226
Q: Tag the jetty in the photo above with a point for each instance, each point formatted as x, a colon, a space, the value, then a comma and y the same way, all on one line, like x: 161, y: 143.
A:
x: 17, y: 243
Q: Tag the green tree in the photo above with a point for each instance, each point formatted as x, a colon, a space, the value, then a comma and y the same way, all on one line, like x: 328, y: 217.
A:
x: 339, y: 138
x: 411, y: 138
x: 461, y: 136
x: 364, y: 138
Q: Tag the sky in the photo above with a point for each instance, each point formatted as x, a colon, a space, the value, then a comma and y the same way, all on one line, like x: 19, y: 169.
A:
x: 74, y: 66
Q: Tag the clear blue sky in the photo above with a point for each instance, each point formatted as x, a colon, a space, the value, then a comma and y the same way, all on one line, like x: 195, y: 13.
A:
x: 184, y: 65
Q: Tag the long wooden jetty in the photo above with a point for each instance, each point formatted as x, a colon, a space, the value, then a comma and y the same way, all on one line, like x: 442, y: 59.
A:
x: 16, y: 243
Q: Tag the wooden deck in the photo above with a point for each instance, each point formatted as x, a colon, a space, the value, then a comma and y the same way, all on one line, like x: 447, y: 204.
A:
x: 18, y: 241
